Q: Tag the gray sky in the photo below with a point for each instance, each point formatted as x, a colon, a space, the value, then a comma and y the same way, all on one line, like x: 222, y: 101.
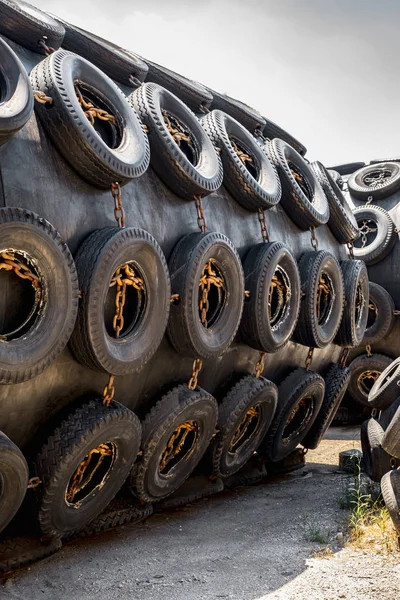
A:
x: 325, y: 70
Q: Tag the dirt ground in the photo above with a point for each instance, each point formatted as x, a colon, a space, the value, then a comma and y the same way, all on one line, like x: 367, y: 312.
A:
x: 253, y: 543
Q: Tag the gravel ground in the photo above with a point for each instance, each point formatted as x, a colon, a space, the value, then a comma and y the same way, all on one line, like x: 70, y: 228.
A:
x: 253, y: 543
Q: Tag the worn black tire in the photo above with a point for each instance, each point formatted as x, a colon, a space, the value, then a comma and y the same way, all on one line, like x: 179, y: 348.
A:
x: 390, y: 486
x: 86, y: 428
x: 383, y: 317
x: 298, y: 386
x: 192, y: 93
x: 386, y: 236
x: 175, y: 408
x: 336, y: 381
x: 102, y: 253
x: 187, y: 177
x: 253, y: 189
x: 307, y: 206
x: 391, y: 437
x: 386, y: 388
x: 14, y: 480
x: 45, y: 336
x: 194, y: 488
x: 376, y: 363
x: 17, y: 98
x: 247, y: 394
x: 310, y: 329
x: 263, y: 262
x: 19, y: 552
x: 376, y: 461
x: 241, y: 112
x: 386, y: 415
x: 119, y: 64
x: 358, y: 181
x: 185, y: 330
x: 293, y: 462
x: 348, y: 168
x: 337, y: 178
x: 71, y: 131
x: 27, y: 25
x: 356, y: 299
x: 342, y: 221
x: 272, y: 130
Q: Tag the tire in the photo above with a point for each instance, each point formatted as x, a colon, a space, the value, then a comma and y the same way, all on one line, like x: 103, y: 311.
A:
x: 381, y: 317
x: 376, y: 161
x: 341, y: 222
x: 390, y: 486
x: 122, y: 65
x: 386, y: 415
x: 348, y: 168
x: 48, y: 307
x: 247, y: 116
x: 230, y: 449
x: 316, y: 327
x: 356, y: 301
x: 375, y: 181
x: 94, y: 343
x: 386, y: 388
x: 189, y: 167
x: 377, y: 219
x: 253, y: 187
x: 14, y: 480
x: 365, y: 370
x: 103, y: 153
x: 16, y: 103
x: 337, y: 178
x: 391, y: 436
x: 336, y: 381
x: 265, y: 265
x: 186, y: 331
x: 18, y: 552
x: 307, y: 206
x: 272, y: 131
x: 376, y: 461
x: 192, y: 93
x: 27, y: 25
x: 88, y: 427
x: 180, y: 406
x: 301, y: 385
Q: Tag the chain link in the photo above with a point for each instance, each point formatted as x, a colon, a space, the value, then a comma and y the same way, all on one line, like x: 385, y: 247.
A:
x: 396, y: 313
x: 42, y: 98
x: 263, y: 225
x: 47, y: 49
x: 350, y: 246
x: 309, y: 357
x: 369, y: 200
x: 91, y: 111
x: 77, y: 482
x: 178, y: 133
x: 368, y: 350
x: 243, y: 156
x: 109, y: 391
x: 208, y: 278
x: 176, y: 443
x: 11, y: 263
x: 365, y: 229
x: 119, y: 212
x: 201, y: 220
x: 314, y: 241
x: 260, y: 365
x: 33, y: 483
x: 197, y: 366
x: 343, y: 357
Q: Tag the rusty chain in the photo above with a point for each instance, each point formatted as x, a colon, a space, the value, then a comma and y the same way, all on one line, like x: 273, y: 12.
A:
x: 260, y: 365
x: 109, y: 391
x: 33, y: 483
x: 76, y: 485
x: 365, y: 230
x: 197, y: 366
x: 263, y: 225
x: 350, y: 246
x: 368, y: 350
x: 343, y: 356
x: 369, y: 374
x: 178, y: 133
x: 11, y: 263
x: 240, y: 433
x: 208, y: 278
x: 119, y: 212
x: 314, y: 241
x: 201, y: 220
x: 176, y: 443
x: 242, y: 155
x: 43, y: 44
x: 41, y: 97
x: 309, y: 357
x: 92, y: 112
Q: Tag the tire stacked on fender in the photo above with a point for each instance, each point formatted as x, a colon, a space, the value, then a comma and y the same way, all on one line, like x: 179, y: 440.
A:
x: 13, y: 478
x: 365, y: 370
x: 375, y: 182
x: 378, y: 234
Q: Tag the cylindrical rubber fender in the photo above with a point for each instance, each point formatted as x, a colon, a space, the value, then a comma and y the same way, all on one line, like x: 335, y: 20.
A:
x: 377, y: 462
x: 181, y: 152
x: 192, y: 93
x: 300, y: 397
x: 375, y: 181
x: 380, y: 315
x: 39, y: 312
x: 126, y: 264
x: 83, y: 464
x: 102, y: 150
x: 342, y: 221
x: 14, y: 479
x: 391, y: 436
x: 302, y: 195
x: 248, y: 173
x: 378, y: 234
x: 348, y: 168
x: 365, y: 370
x: 390, y: 486
x: 241, y: 112
x: 322, y: 297
x: 119, y: 64
x: 207, y: 275
x: 356, y: 303
x: 16, y: 97
x: 272, y: 130
x: 271, y: 310
x: 386, y: 388
x: 244, y: 416
x: 176, y: 434
x: 29, y: 26
x: 336, y: 381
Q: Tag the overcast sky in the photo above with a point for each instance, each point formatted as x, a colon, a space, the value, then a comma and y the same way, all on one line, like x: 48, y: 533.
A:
x: 325, y: 70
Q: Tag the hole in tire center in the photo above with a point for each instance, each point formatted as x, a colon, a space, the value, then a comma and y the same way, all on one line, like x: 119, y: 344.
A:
x: 359, y: 304
x: 278, y: 296
x: 372, y: 314
x: 302, y: 181
x: 130, y: 277
x: 212, y: 294
x: 110, y: 133
x: 246, y: 428
x: 325, y: 298
x: 179, y: 447
x: 22, y: 297
x: 298, y: 418
x: 246, y: 156
x: 91, y: 474
x: 183, y: 138
x: 368, y: 229
x: 377, y: 178
x: 366, y: 380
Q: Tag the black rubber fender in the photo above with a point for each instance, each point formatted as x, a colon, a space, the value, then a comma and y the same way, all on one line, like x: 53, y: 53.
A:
x: 14, y: 475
